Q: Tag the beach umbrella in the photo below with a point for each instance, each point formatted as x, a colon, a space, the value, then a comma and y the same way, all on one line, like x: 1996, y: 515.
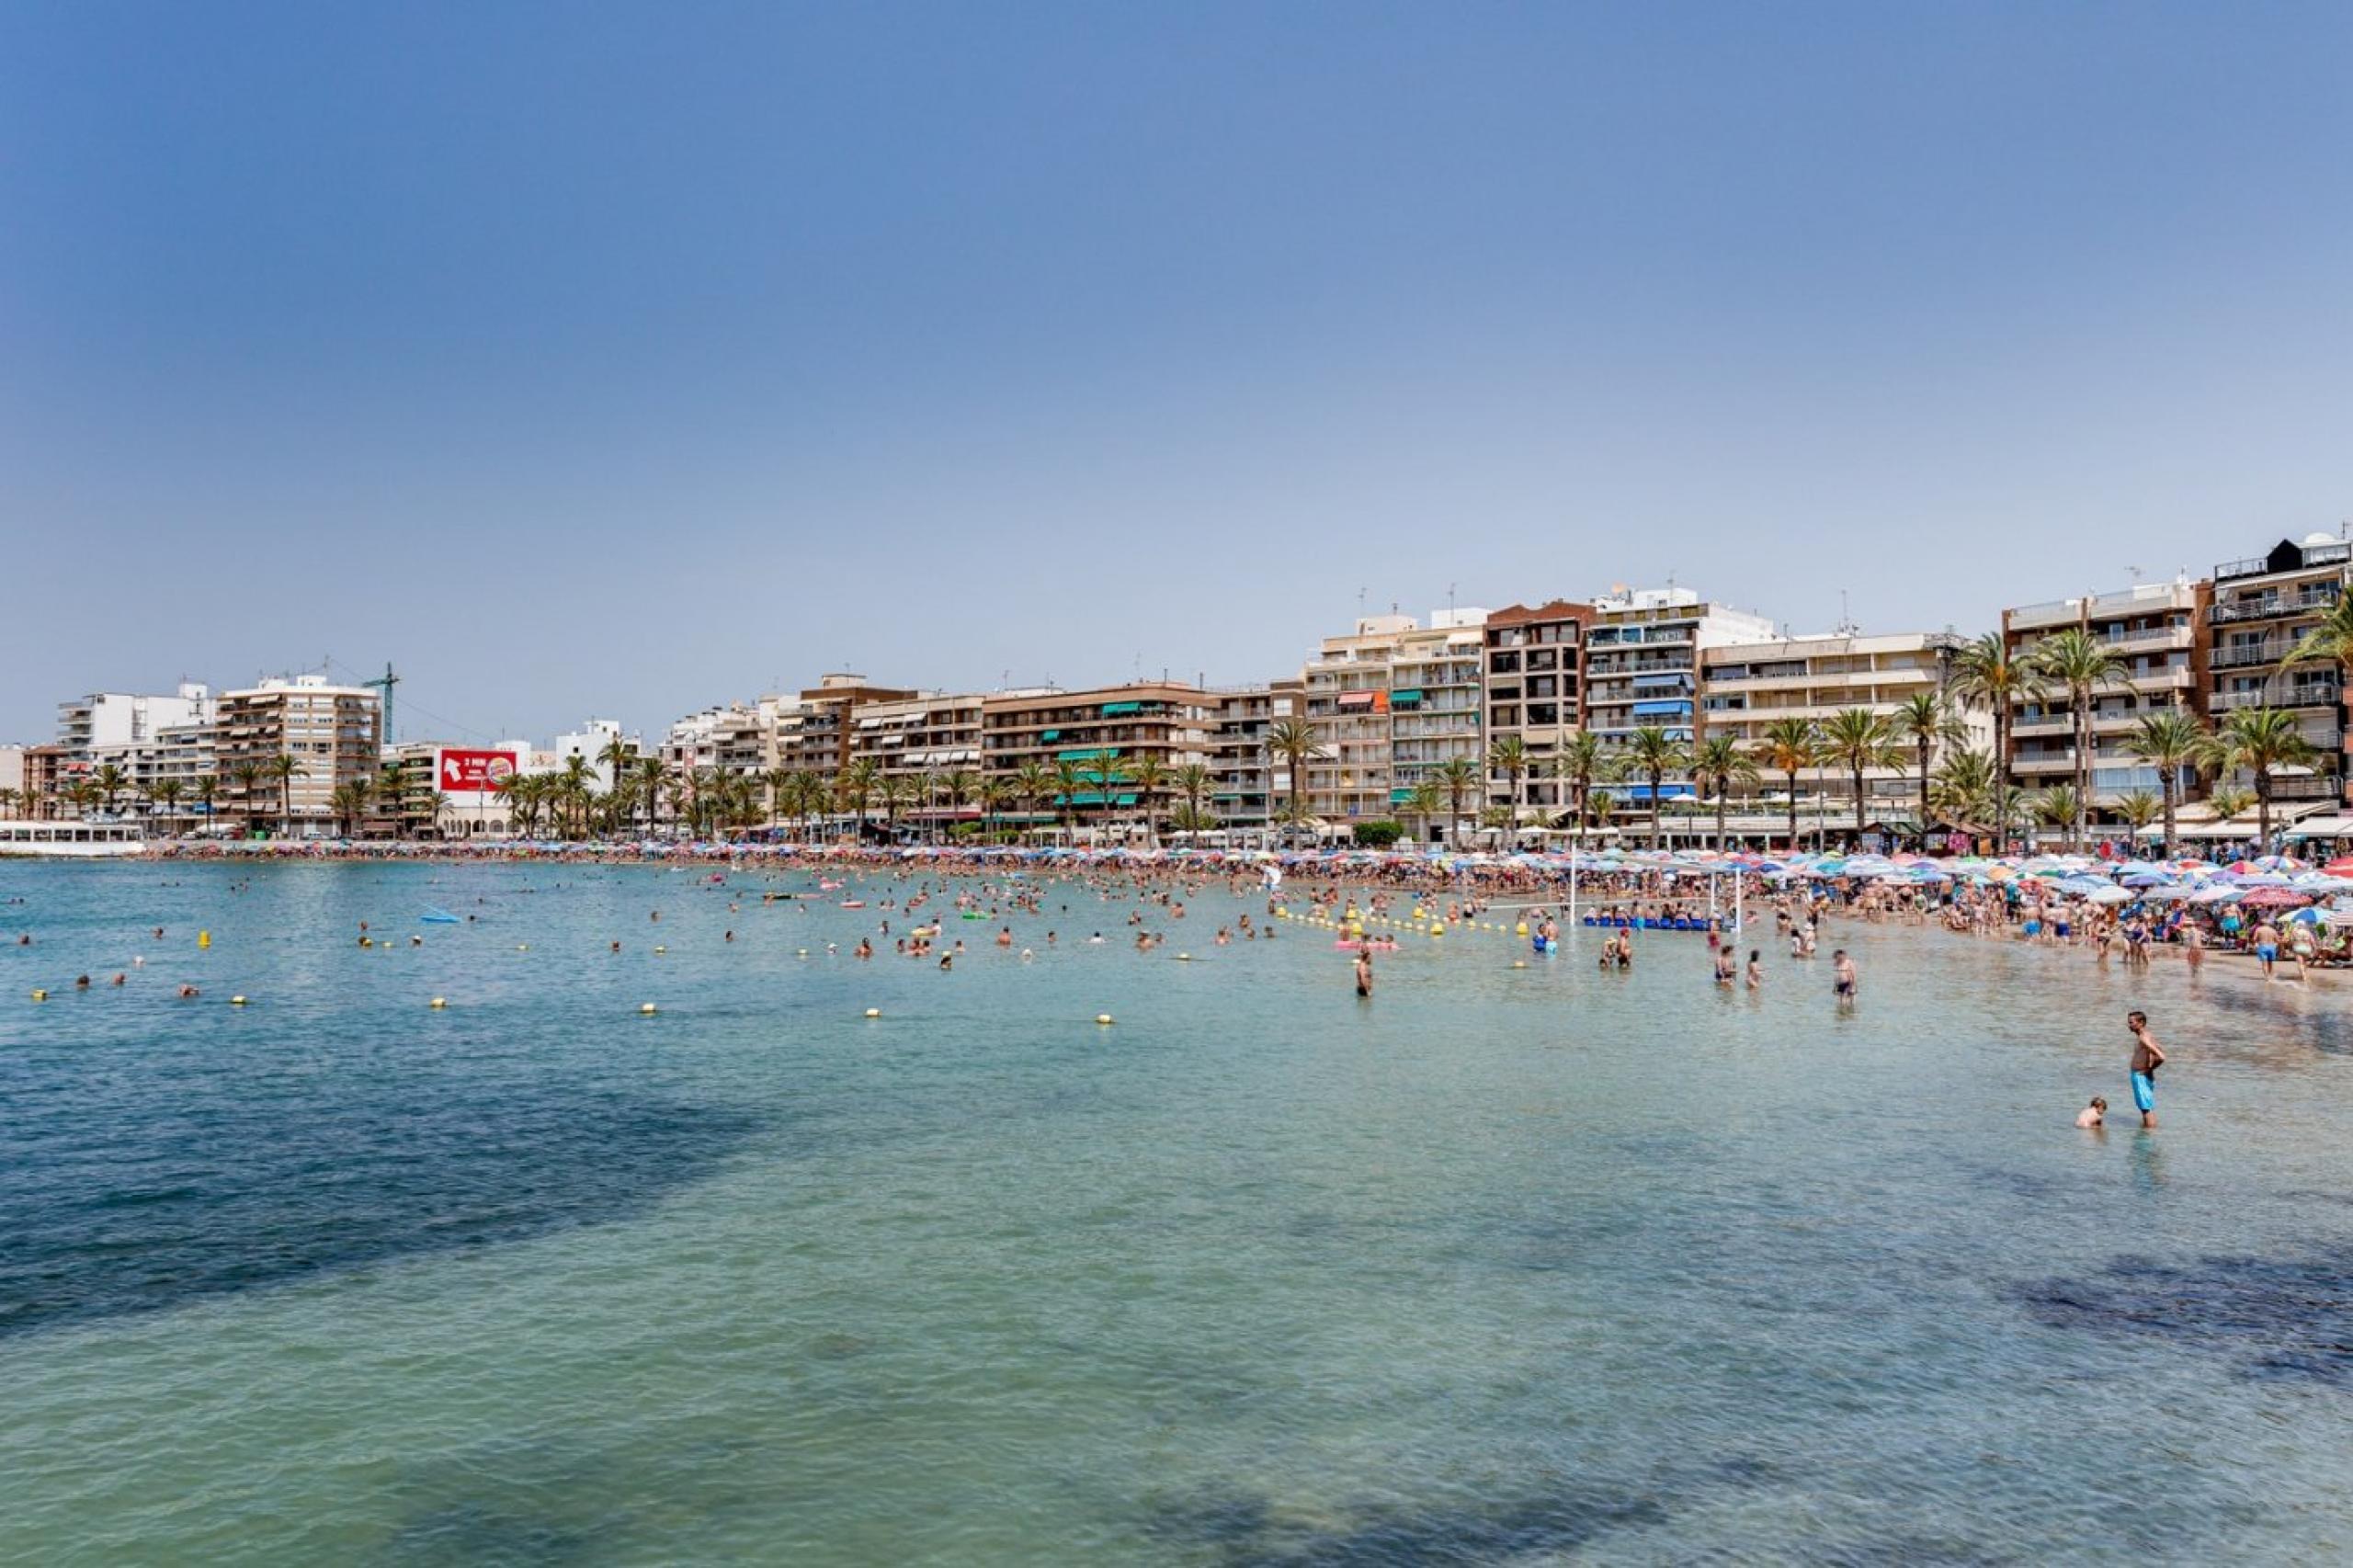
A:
x: 2272, y: 898
x: 2110, y: 894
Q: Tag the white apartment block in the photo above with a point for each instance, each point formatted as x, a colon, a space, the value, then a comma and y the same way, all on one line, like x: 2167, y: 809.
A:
x: 1746, y: 688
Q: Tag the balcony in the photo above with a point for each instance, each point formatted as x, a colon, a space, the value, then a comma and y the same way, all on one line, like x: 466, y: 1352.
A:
x: 2312, y: 694
x: 2269, y: 651
x: 2277, y: 606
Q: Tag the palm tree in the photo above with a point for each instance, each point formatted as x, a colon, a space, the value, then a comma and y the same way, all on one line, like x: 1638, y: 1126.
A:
x: 350, y: 802
x: 2331, y: 640
x: 654, y: 779
x: 1193, y: 781
x: 1581, y: 762
x: 1858, y: 739
x: 856, y: 785
x: 1926, y: 721
x: 1033, y: 785
x: 1070, y: 777
x: 1508, y: 756
x: 1986, y: 672
x: 1148, y: 774
x: 1964, y: 787
x: 992, y: 792
x: 1717, y: 764
x: 112, y: 782
x: 206, y: 789
x: 9, y: 800
x: 1458, y: 776
x: 896, y: 792
x: 2139, y: 808
x: 1789, y: 746
x: 616, y: 756
x: 778, y: 780
x: 2169, y: 739
x: 1654, y: 752
x: 1602, y: 802
x: 2256, y: 741
x: 2081, y: 662
x: 577, y: 781
x: 1426, y: 799
x: 2228, y: 801
x: 166, y: 794
x: 285, y: 767
x: 1293, y: 740
x: 2058, y: 807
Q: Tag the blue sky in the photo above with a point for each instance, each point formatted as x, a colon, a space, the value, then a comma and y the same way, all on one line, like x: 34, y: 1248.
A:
x: 623, y: 359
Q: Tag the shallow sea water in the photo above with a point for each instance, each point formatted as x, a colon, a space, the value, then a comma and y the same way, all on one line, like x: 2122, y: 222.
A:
x: 1528, y: 1265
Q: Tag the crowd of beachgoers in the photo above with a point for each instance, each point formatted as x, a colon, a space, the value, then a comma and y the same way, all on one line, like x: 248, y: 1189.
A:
x: 2273, y: 907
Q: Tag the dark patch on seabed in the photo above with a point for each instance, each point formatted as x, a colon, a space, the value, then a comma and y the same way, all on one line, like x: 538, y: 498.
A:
x: 2277, y: 1317
x: 1247, y: 1529
x: 142, y: 1209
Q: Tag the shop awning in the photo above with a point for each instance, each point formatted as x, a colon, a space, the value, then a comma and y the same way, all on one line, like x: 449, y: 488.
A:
x: 1409, y: 695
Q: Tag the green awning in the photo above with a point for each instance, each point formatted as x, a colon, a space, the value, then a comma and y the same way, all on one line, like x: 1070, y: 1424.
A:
x: 1049, y: 735
x: 1087, y: 754
x: 1093, y: 798
x: 1409, y: 696
x: 1399, y: 797
x: 1113, y: 709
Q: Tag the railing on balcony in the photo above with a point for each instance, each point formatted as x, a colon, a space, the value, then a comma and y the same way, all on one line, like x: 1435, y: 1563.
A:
x: 2273, y: 607
x: 2256, y: 566
x: 2314, y: 694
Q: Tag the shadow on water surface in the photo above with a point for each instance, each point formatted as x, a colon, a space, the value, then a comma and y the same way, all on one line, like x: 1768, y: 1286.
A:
x: 1248, y: 1529
x: 136, y: 1209
x: 2278, y: 1318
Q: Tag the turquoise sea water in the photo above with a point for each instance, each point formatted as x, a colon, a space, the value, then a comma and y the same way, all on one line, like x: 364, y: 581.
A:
x: 1508, y: 1266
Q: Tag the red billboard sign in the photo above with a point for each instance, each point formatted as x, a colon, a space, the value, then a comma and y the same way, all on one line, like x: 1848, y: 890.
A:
x: 474, y: 772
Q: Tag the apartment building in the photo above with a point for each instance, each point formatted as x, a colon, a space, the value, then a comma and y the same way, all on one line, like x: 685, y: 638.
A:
x: 590, y: 743
x: 1171, y: 723
x: 450, y: 790
x: 1746, y: 688
x: 2158, y: 629
x: 334, y: 734
x: 1346, y: 685
x: 923, y: 740
x: 814, y: 733
x: 1533, y: 691
x: 2261, y: 608
x: 1243, y: 772
x: 1437, y: 702
x: 106, y: 721
x: 1642, y: 669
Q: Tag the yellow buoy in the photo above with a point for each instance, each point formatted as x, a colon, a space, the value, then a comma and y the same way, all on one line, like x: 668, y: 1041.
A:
x: 1184, y: 957
x: 647, y: 1008
x: 1102, y: 1018
x: 40, y: 996
x: 1438, y: 929
x: 522, y: 947
x: 236, y: 1001
x: 439, y: 1002
x: 1520, y: 963
x: 874, y: 1012
x: 659, y: 950
x: 204, y: 938
x: 1521, y: 929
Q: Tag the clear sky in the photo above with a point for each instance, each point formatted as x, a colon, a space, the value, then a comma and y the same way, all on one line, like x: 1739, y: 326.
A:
x: 622, y: 359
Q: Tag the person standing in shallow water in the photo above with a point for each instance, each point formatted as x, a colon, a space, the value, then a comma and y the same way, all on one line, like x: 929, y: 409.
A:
x: 2147, y: 1056
x: 1364, y: 972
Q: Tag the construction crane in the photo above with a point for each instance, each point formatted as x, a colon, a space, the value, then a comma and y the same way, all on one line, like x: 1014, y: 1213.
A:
x: 383, y: 685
